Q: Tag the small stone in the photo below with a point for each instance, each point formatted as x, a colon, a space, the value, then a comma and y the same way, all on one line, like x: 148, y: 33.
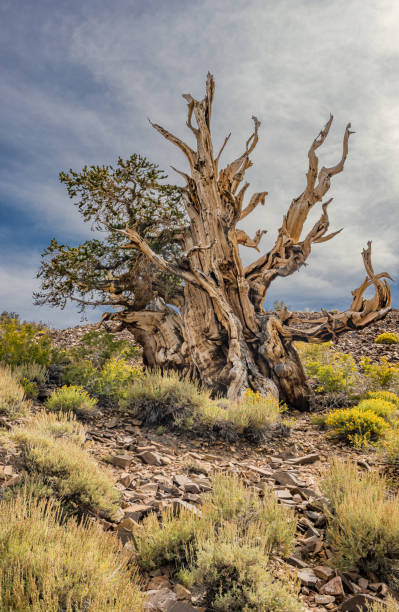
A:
x: 307, y: 577
x: 159, y: 600
x: 14, y: 480
x: 285, y: 478
x: 125, y: 480
x: 182, y: 592
x: 305, y: 460
x: 323, y: 572
x: 150, y: 458
x: 284, y: 494
x: 158, y: 582
x: 333, y: 587
x: 324, y: 599
x: 137, y: 511
x: 122, y: 461
x: 128, y: 523
x: 296, y: 562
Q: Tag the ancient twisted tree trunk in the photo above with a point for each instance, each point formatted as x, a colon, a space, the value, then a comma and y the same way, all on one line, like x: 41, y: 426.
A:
x: 221, y: 332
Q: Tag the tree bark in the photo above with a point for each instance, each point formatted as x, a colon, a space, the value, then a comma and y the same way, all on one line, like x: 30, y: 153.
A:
x: 221, y: 334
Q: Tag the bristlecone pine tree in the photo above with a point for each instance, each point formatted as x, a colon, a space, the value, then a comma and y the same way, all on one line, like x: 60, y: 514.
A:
x: 171, y: 268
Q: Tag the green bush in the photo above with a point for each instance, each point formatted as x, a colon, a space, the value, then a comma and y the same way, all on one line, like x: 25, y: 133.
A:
x: 98, y: 346
x: 72, y: 399
x: 168, y: 399
x: 13, y: 402
x: 387, y: 338
x: 31, y: 376
x: 363, y: 522
x: 231, y: 501
x: 66, y: 467
x: 79, y: 373
x: 358, y: 427
x: 46, y: 566
x: 24, y: 343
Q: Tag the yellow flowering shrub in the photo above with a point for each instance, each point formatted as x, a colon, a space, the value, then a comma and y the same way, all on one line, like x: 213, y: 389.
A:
x: 23, y: 343
x: 340, y: 373
x: 111, y: 381
x: 387, y: 338
x: 382, y: 375
x: 358, y: 427
x: 72, y: 399
x: 380, y: 407
x: 387, y: 396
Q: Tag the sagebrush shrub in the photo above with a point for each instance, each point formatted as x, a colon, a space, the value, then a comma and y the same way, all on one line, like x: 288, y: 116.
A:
x: 13, y: 402
x: 169, y: 540
x: 363, y: 521
x: 387, y: 338
x: 24, y: 343
x: 72, y: 399
x: 356, y: 426
x: 48, y: 566
x: 67, y: 468
x: 233, y: 570
x: 176, y: 538
x: 232, y: 501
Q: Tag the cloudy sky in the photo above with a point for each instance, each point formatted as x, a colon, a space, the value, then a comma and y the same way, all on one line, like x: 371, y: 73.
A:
x: 79, y: 82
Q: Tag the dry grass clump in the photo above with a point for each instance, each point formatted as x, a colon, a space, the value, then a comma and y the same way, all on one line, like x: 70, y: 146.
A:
x: 59, y: 425
x: 13, y: 403
x: 159, y: 399
x: 225, y: 550
x: 167, y: 399
x: 252, y: 413
x: 48, y: 566
x: 72, y: 399
x: 363, y: 521
x: 65, y: 467
x: 388, y: 605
